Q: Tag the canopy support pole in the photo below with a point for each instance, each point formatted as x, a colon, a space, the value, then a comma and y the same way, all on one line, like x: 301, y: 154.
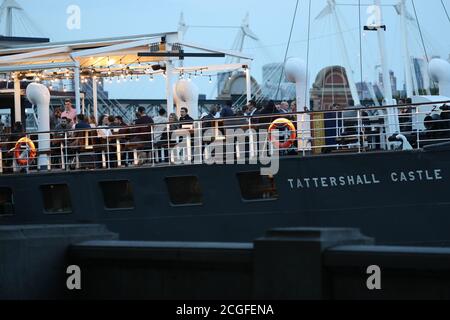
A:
x: 169, y: 87
x: 248, y: 80
x: 94, y: 97
x: 17, y: 100
x: 77, y: 87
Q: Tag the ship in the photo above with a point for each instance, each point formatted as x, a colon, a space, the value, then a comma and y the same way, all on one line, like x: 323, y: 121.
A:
x: 382, y: 169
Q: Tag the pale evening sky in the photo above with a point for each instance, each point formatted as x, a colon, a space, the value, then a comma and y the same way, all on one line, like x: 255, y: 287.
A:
x: 270, y: 20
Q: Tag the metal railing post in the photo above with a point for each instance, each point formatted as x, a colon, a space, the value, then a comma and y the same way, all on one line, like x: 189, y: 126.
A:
x: 66, y: 156
x: 108, y: 159
x: 251, y: 140
x: 152, y: 137
x: 169, y: 152
x: 359, y: 130
x: 1, y: 158
x: 417, y: 126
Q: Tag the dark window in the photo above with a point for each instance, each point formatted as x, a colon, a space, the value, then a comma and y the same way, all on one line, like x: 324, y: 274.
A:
x: 6, y: 202
x: 117, y: 194
x: 56, y: 198
x: 184, y: 191
x: 255, y: 187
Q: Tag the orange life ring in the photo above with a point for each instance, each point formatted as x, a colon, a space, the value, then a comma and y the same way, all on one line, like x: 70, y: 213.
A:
x: 18, y: 151
x: 283, y: 123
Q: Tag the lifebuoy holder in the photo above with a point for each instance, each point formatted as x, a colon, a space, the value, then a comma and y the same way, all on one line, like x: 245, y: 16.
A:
x: 279, y: 124
x: 24, y: 158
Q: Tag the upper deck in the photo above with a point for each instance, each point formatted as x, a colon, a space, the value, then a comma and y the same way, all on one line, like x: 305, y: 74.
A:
x: 229, y: 140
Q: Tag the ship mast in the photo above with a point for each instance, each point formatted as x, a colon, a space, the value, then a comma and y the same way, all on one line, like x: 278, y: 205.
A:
x: 393, y: 125
x: 406, y: 55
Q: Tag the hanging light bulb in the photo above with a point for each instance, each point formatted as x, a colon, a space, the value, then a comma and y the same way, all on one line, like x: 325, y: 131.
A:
x: 137, y: 79
x: 195, y: 74
x: 210, y: 79
x: 151, y: 77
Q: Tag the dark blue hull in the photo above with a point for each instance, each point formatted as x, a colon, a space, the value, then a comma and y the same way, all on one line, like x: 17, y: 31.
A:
x: 395, y: 197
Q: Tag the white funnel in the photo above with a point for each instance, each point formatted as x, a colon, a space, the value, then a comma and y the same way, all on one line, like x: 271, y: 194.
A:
x: 186, y: 95
x: 296, y: 72
x: 440, y: 72
x: 39, y: 96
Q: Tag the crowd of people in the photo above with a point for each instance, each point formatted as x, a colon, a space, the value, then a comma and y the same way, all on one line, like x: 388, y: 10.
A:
x: 69, y: 129
x: 68, y: 119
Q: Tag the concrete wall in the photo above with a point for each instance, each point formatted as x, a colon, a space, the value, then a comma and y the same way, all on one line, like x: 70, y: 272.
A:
x: 286, y: 264
x: 33, y: 259
x: 152, y: 270
x: 406, y: 272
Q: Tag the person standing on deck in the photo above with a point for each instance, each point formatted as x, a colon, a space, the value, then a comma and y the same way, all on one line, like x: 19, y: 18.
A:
x: 70, y: 112
x: 185, y: 117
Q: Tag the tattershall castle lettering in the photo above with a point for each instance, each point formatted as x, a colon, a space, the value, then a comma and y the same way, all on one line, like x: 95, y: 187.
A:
x: 366, y: 179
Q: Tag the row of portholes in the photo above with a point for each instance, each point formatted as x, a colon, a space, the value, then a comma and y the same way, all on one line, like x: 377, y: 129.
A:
x: 183, y: 191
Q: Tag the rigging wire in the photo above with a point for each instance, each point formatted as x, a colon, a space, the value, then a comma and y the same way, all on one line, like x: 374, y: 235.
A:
x: 307, y: 59
x: 360, y: 42
x: 445, y: 9
x: 421, y: 38
x: 288, y: 45
x: 420, y: 30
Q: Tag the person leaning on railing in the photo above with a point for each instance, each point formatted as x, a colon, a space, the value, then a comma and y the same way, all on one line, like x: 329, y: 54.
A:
x: 58, y: 139
x: 159, y: 128
x: 141, y: 135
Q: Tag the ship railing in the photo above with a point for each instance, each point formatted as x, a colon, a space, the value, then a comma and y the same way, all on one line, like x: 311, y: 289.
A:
x: 241, y: 138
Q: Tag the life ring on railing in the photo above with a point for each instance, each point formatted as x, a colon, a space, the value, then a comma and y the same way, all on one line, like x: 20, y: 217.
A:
x: 21, y: 157
x: 283, y: 123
